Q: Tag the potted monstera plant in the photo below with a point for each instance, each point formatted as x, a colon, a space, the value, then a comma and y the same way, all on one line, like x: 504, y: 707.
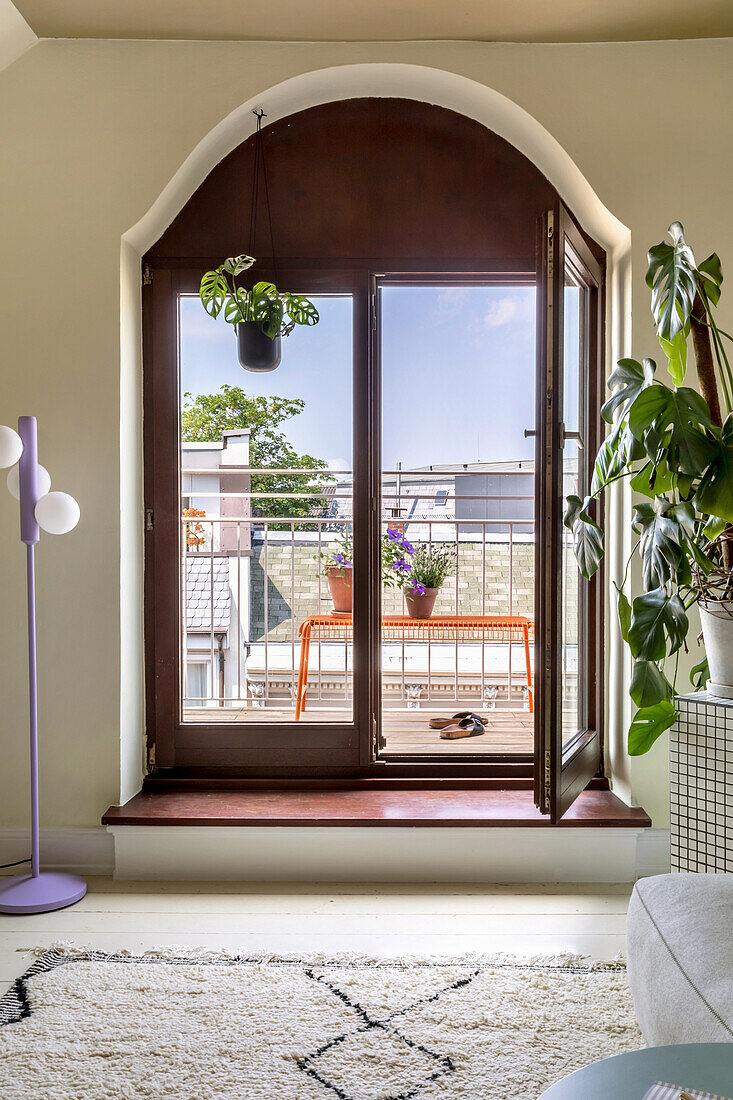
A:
x: 674, y: 444
x: 260, y: 316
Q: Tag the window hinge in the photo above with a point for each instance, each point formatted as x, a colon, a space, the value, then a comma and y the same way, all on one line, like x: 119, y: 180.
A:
x: 151, y: 756
x: 375, y: 737
x: 149, y: 519
x: 548, y: 785
x: 147, y: 275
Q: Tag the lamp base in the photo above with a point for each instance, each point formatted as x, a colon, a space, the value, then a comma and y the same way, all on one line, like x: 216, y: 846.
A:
x: 48, y: 890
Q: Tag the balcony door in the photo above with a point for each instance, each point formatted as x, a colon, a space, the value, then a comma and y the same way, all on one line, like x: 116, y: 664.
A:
x: 457, y: 367
x: 411, y: 425
x: 569, y: 691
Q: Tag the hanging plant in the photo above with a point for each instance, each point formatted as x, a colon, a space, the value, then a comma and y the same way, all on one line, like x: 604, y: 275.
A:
x: 676, y: 447
x: 264, y: 314
x: 260, y: 315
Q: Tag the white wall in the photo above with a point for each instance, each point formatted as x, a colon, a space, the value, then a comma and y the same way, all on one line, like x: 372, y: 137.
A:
x: 91, y: 133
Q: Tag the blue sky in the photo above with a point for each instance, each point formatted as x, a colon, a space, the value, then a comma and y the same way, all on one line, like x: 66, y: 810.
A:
x: 458, y: 368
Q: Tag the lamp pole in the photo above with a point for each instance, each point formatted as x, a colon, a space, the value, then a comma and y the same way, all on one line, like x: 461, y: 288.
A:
x: 41, y: 891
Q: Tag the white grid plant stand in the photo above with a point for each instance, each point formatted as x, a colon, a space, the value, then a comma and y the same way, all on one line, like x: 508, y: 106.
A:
x: 701, y: 785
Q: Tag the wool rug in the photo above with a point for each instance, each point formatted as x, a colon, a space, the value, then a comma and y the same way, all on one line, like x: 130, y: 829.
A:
x: 196, y: 1025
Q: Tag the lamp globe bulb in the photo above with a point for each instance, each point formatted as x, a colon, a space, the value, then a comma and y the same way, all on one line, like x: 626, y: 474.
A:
x: 44, y: 482
x: 11, y: 446
x: 57, y: 513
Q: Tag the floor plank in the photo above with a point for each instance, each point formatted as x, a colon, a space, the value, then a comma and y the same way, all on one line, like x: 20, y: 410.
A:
x: 378, y: 920
x: 405, y: 730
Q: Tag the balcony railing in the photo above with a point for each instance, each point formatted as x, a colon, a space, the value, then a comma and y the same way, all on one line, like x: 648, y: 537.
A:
x: 249, y: 581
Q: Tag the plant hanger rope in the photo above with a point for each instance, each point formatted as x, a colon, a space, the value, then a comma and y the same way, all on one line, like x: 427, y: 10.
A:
x: 260, y: 163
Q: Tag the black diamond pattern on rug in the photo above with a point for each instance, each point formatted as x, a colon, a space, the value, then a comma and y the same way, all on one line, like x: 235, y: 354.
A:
x: 395, y: 1066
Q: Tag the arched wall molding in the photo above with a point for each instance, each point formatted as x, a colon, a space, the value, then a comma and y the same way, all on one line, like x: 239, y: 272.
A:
x: 440, y: 87
x: 387, y: 80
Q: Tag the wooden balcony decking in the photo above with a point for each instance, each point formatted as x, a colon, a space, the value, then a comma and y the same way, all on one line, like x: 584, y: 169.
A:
x: 404, y: 730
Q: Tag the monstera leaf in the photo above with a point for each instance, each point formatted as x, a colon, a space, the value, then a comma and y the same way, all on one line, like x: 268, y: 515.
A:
x: 301, y: 310
x: 213, y: 291
x: 235, y: 265
x: 675, y: 421
x: 700, y: 674
x: 587, y: 535
x: 627, y: 381
x: 671, y: 276
x: 624, y: 615
x: 656, y: 617
x: 648, y: 724
x: 715, y: 493
x: 662, y: 537
x: 237, y: 308
x: 711, y: 278
x: 648, y: 685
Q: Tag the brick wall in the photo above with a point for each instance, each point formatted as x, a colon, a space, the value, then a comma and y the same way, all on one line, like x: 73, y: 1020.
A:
x: 284, y: 596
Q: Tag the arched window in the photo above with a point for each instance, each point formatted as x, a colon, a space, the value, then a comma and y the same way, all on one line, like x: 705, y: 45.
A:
x: 422, y: 435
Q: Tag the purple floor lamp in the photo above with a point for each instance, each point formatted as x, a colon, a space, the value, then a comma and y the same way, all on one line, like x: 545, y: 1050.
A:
x: 56, y: 513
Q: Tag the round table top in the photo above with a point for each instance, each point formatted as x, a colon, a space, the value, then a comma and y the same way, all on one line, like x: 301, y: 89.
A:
x: 707, y: 1067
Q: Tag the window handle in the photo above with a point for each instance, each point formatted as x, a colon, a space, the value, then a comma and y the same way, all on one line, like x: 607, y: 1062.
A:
x: 528, y: 432
x: 570, y: 435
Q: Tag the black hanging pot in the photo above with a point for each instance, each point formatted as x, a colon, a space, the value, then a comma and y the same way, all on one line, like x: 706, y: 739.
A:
x: 257, y: 352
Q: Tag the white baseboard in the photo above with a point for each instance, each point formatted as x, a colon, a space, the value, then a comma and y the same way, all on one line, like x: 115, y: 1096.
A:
x: 320, y: 854
x: 81, y: 851
x: 354, y: 854
x: 652, y: 853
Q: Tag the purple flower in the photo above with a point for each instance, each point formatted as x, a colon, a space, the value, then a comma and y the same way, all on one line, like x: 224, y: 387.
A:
x: 401, y: 566
x: 407, y: 546
x: 340, y: 559
x: 418, y: 589
x: 394, y: 536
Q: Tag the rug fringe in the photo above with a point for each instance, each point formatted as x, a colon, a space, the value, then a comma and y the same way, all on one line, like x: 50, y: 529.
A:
x: 176, y: 952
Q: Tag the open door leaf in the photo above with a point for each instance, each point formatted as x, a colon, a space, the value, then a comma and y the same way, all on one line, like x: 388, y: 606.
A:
x: 648, y: 724
x: 648, y: 685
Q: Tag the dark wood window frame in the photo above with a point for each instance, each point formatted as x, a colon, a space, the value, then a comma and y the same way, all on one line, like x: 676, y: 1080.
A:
x: 219, y: 751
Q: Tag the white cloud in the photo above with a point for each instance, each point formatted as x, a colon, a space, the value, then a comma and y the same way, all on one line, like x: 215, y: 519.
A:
x: 503, y: 311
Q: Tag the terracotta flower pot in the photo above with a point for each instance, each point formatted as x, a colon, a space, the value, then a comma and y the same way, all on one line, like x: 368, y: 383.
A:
x: 341, y: 582
x: 421, y: 606
x: 257, y: 352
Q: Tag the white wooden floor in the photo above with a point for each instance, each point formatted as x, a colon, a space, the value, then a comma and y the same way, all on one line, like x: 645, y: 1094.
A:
x: 382, y: 920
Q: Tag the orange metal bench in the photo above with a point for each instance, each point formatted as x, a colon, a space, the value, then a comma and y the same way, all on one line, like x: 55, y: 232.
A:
x: 440, y: 628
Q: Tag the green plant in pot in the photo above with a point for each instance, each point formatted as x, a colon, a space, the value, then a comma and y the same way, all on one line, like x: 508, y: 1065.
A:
x: 430, y: 567
x: 675, y: 446
x: 338, y: 565
x: 261, y: 316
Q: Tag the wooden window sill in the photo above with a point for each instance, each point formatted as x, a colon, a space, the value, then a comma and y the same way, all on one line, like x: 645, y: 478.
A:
x: 428, y: 806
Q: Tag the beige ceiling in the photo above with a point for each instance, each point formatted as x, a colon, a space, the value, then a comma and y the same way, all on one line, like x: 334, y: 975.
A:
x: 292, y: 20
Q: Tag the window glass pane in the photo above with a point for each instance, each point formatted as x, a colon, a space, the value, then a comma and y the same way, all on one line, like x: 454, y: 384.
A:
x: 573, y: 481
x: 197, y: 684
x: 458, y: 395
x: 256, y: 542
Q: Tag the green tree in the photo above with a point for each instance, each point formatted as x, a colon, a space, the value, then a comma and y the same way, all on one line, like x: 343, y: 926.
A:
x: 207, y: 416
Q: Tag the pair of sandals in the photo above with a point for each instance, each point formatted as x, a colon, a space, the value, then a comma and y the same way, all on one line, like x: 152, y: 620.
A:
x: 463, y: 724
